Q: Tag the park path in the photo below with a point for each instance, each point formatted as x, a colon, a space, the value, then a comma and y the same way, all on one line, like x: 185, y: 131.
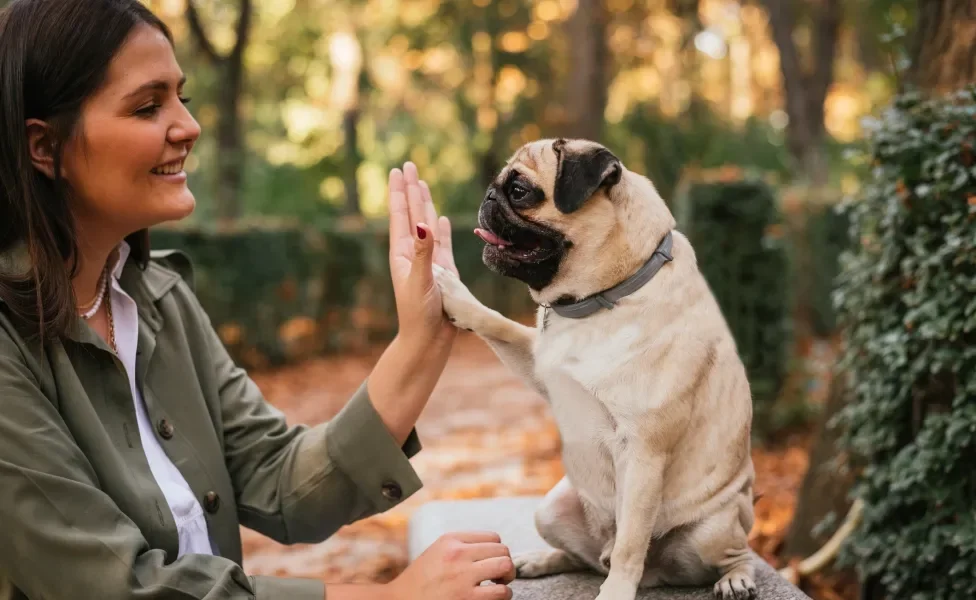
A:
x: 484, y: 434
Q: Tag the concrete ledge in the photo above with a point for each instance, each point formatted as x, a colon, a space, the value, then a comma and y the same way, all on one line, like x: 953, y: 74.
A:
x: 512, y: 519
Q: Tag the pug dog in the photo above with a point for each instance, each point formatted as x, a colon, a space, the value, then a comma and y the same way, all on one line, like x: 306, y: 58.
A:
x: 638, y: 365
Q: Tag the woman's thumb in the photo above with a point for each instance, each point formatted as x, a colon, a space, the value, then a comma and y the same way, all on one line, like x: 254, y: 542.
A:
x: 423, y: 247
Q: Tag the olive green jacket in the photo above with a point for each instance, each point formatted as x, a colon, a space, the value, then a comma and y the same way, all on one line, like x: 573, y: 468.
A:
x: 81, y: 515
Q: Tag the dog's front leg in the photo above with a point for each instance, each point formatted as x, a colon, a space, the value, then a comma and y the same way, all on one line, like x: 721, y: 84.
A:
x: 511, y: 341
x: 639, y: 494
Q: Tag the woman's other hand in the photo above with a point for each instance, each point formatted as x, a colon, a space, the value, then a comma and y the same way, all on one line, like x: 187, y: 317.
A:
x: 453, y: 568
x: 417, y: 239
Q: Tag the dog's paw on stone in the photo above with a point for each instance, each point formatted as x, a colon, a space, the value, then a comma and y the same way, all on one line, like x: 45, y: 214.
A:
x: 531, y: 564
x: 541, y: 563
x: 736, y: 586
x: 617, y: 588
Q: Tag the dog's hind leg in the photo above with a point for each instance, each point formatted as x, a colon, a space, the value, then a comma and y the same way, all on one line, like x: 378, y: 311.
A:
x: 728, y: 549
x: 562, y: 522
x: 716, y: 547
x: 511, y: 341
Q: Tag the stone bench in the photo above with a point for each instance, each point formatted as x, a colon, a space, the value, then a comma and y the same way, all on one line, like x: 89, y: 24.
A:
x: 512, y: 519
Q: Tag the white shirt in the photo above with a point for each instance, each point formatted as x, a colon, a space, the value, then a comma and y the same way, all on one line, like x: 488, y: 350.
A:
x: 187, y: 512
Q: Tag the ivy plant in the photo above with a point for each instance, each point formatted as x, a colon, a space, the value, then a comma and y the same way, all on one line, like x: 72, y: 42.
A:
x: 906, y: 299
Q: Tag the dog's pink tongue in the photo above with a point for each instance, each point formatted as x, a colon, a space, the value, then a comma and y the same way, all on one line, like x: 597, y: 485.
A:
x: 491, y: 238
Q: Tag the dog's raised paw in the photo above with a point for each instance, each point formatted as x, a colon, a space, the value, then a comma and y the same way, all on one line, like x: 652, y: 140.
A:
x: 736, y: 586
x: 460, y: 305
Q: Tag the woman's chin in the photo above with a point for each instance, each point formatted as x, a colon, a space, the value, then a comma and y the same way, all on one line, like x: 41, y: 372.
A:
x: 175, y: 209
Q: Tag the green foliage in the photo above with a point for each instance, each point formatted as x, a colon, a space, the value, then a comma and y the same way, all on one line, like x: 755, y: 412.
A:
x: 701, y: 138
x: 732, y: 225
x: 907, y: 300
x: 250, y: 281
x: 827, y: 237
x: 278, y: 292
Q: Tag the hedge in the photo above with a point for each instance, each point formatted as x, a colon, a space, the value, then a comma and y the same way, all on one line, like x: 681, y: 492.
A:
x: 818, y: 231
x: 907, y: 303
x: 733, y: 223
x: 827, y: 238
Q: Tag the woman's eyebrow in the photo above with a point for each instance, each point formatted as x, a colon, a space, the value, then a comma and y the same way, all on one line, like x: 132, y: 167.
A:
x: 156, y: 84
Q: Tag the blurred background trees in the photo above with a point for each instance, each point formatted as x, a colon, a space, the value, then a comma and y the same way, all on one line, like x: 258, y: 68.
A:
x: 748, y: 115
x: 306, y: 104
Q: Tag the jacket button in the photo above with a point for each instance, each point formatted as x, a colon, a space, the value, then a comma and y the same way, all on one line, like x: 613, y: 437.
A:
x: 165, y: 429
x: 392, y: 490
x: 211, y: 502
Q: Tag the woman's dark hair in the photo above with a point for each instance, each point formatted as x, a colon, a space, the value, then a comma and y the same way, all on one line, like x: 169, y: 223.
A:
x: 54, y: 54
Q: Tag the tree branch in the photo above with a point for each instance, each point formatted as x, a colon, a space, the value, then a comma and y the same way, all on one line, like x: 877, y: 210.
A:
x: 829, y: 551
x: 827, y: 28
x: 196, y: 27
x: 782, y: 21
x: 243, y: 29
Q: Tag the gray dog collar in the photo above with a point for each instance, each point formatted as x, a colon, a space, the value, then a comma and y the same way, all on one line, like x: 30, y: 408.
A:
x: 608, y: 298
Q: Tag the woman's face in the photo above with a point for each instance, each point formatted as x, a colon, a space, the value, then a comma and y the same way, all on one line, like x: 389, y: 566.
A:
x: 124, y: 163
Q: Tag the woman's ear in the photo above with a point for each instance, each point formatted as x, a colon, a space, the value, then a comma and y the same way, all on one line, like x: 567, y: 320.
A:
x: 40, y: 143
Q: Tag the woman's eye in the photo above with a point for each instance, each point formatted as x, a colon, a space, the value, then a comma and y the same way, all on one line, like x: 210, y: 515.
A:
x: 148, y: 110
x: 151, y: 109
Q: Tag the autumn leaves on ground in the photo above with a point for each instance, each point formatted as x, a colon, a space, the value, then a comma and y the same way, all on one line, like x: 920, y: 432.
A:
x: 484, y: 434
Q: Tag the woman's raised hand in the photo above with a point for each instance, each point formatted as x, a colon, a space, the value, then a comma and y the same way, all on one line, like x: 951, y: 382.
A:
x: 418, y: 238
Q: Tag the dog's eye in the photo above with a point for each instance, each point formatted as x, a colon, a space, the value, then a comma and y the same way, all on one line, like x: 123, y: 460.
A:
x: 518, y: 192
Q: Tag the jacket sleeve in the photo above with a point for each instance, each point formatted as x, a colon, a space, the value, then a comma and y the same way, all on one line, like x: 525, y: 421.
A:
x: 63, y: 537
x: 300, y: 484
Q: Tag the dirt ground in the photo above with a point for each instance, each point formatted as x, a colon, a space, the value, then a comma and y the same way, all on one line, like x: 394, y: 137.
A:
x: 484, y: 434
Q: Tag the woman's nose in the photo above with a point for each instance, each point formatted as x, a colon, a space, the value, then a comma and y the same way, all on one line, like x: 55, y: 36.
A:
x: 185, y: 130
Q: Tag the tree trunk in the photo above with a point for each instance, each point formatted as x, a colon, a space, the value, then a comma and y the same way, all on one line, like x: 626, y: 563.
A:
x: 230, y: 147
x: 350, y: 124
x: 824, y: 489
x: 806, y: 91
x: 944, y: 58
x: 230, y: 134
x: 586, y: 98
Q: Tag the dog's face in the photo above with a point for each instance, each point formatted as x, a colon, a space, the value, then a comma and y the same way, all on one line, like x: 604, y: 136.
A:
x: 565, y: 216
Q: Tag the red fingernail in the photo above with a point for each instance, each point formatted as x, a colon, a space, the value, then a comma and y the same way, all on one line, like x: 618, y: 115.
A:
x: 421, y: 233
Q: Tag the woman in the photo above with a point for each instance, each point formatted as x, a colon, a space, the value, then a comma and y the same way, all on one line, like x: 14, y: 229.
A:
x: 131, y: 446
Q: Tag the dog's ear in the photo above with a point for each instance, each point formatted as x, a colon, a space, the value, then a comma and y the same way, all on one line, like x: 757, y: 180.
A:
x: 580, y: 173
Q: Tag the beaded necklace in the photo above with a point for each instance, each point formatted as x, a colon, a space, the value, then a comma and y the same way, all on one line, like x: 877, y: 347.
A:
x: 95, y: 304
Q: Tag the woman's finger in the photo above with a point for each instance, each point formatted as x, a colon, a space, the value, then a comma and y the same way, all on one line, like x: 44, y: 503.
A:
x: 493, y: 592
x: 443, y: 253
x: 474, y: 537
x: 484, y: 550
x: 421, y: 274
x: 430, y: 213
x: 415, y: 195
x: 399, y: 213
x: 500, y: 568
x: 447, y: 244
